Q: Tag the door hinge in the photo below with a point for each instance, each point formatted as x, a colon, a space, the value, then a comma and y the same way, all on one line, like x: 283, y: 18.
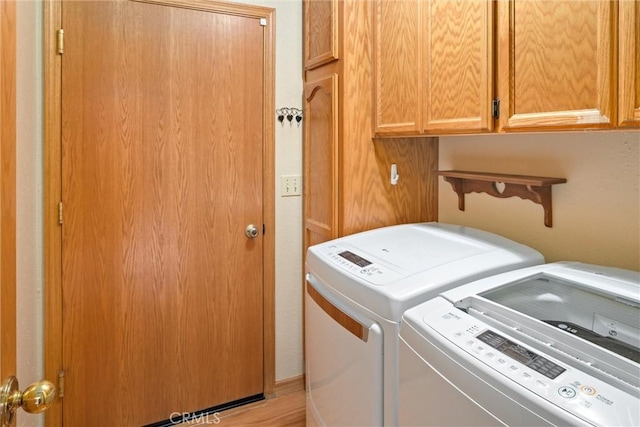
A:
x: 263, y: 22
x: 60, y: 213
x: 495, y: 108
x: 61, y: 384
x: 60, y: 42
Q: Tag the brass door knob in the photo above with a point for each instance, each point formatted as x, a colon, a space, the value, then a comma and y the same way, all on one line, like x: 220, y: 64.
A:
x: 36, y: 398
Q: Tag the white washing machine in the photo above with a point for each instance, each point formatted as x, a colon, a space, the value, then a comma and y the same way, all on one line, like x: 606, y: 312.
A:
x: 357, y: 289
x: 556, y: 344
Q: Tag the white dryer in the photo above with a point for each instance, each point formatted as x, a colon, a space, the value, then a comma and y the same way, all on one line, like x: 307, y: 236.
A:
x: 555, y: 344
x: 357, y: 289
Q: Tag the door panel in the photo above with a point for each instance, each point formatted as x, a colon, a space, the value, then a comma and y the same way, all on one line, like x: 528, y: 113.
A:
x: 458, y: 66
x: 342, y: 360
x: 398, y: 80
x: 161, y: 173
x: 321, y: 35
x: 570, y: 84
x: 321, y: 160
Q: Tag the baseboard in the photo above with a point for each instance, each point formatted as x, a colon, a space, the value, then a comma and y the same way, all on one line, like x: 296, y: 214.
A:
x: 290, y: 385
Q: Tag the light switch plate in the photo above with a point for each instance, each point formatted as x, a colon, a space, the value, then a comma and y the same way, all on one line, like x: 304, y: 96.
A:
x: 290, y: 185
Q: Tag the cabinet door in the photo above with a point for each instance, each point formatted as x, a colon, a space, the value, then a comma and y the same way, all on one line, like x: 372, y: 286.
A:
x: 320, y: 32
x: 458, y: 66
x: 321, y: 160
x: 397, y: 52
x: 556, y: 64
x: 629, y: 64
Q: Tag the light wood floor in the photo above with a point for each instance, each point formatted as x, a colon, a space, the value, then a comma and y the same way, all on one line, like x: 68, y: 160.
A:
x: 283, y: 411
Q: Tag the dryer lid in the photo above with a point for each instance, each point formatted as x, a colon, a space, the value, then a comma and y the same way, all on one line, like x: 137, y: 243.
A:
x: 390, y: 269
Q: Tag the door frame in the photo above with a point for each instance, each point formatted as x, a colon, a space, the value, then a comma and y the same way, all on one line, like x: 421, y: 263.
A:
x: 53, y: 184
x: 8, y: 189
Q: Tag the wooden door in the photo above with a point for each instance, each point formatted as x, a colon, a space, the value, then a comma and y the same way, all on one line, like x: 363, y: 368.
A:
x: 321, y: 160
x: 458, y: 66
x: 556, y: 64
x: 629, y: 63
x: 7, y: 190
x: 162, y: 168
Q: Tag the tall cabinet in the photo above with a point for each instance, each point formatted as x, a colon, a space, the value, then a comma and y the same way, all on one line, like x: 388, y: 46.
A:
x: 347, y: 185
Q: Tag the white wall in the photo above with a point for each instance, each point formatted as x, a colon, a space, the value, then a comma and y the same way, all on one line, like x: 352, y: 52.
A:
x: 29, y: 194
x: 288, y: 145
x: 596, y: 214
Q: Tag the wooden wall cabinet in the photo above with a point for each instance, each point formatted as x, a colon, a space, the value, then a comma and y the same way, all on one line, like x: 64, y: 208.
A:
x: 433, y: 67
x: 559, y: 65
x: 556, y: 64
x: 347, y: 185
x: 629, y: 63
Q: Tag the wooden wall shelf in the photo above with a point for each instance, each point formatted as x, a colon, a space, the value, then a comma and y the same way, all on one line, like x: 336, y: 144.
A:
x: 534, y: 188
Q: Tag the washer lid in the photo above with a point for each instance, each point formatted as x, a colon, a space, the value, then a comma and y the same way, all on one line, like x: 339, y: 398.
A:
x: 390, y: 269
x: 589, y: 313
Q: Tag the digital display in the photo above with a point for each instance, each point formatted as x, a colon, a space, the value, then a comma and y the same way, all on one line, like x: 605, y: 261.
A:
x: 520, y: 354
x: 357, y: 260
x: 516, y: 352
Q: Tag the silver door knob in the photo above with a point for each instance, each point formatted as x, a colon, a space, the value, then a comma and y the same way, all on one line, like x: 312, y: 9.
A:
x: 251, y: 231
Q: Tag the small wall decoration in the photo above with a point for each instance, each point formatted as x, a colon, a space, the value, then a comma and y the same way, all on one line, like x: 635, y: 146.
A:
x: 289, y: 113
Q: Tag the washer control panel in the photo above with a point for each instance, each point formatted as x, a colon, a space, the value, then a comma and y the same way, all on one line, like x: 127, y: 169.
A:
x: 577, y: 392
x: 521, y: 354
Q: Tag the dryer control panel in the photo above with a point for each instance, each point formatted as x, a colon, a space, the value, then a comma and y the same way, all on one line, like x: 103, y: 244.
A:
x: 573, y: 390
x: 358, y: 264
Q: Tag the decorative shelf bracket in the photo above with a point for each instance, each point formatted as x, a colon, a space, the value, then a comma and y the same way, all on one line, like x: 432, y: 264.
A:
x: 534, y: 188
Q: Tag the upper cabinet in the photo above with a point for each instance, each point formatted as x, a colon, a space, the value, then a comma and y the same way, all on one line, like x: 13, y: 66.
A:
x: 556, y: 64
x: 559, y: 65
x: 433, y: 66
x: 321, y: 32
x: 629, y: 69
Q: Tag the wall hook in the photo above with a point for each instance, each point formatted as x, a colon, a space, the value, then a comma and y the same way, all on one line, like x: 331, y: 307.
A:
x: 290, y: 114
x: 394, y: 174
